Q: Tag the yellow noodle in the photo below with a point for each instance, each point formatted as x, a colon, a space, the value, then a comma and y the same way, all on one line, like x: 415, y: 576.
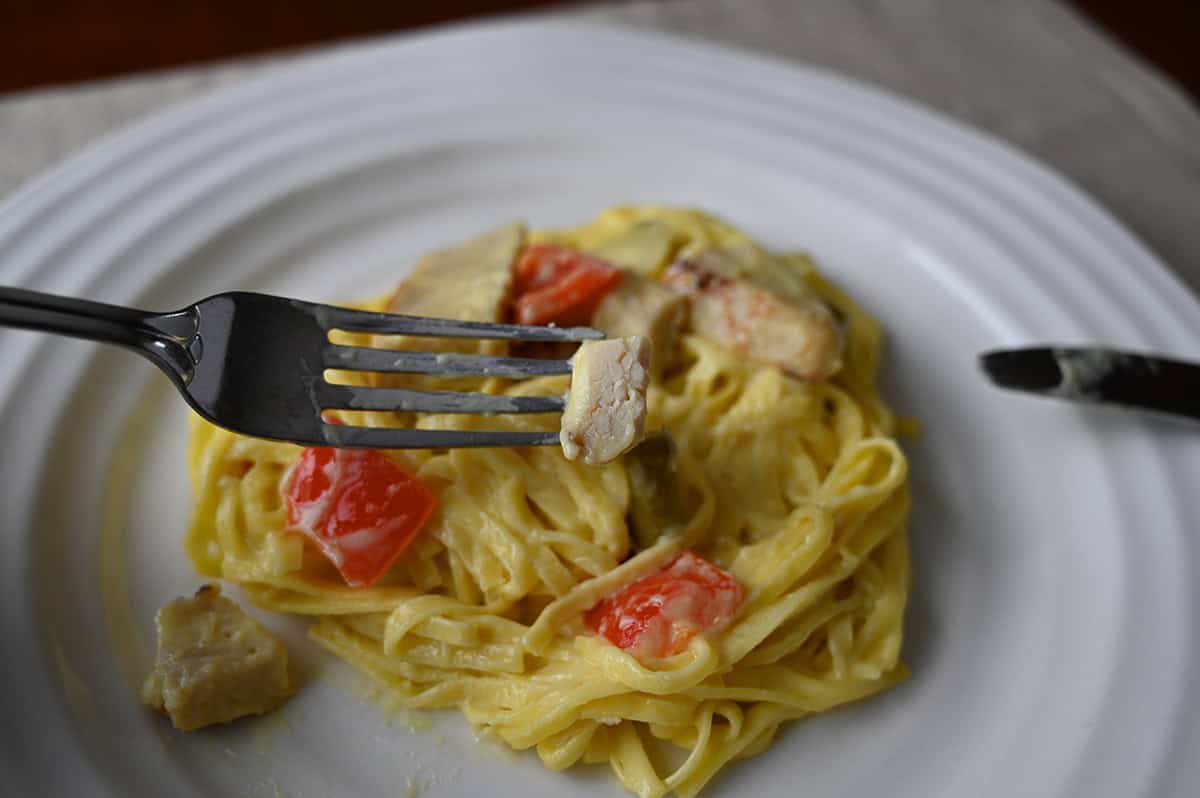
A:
x: 798, y: 489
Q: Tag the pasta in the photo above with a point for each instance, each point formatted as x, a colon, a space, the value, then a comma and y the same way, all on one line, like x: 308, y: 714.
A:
x: 798, y: 489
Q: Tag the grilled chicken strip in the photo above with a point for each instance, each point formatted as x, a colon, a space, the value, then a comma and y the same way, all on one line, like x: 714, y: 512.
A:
x: 644, y: 308
x: 801, y: 337
x: 470, y: 281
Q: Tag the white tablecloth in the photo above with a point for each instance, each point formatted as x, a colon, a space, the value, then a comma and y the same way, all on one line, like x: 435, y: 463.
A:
x: 1033, y: 72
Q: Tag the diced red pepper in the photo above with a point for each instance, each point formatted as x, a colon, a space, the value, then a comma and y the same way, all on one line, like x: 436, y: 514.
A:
x: 359, y: 507
x: 659, y: 614
x: 560, y: 285
x: 542, y: 264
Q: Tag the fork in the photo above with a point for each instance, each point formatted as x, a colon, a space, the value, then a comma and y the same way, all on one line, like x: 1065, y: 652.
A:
x: 255, y: 364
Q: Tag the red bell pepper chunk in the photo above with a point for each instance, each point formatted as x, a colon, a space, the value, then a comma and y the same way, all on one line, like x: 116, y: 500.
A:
x: 359, y: 507
x: 561, y: 286
x: 659, y: 614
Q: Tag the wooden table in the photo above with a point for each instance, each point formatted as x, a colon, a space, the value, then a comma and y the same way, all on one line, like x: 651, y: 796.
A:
x: 44, y: 42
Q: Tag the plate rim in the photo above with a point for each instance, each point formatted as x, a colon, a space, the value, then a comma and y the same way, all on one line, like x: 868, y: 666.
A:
x: 54, y: 181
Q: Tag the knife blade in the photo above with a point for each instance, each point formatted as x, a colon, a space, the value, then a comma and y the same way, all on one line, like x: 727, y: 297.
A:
x: 1099, y: 376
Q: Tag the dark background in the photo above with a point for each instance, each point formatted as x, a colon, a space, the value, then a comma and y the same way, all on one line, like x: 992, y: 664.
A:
x: 45, y: 42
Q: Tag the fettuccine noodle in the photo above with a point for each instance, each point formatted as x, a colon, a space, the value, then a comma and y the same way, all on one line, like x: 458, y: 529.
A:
x: 798, y: 489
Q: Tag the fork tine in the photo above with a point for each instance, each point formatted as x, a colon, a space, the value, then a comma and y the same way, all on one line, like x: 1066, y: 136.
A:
x: 361, y: 358
x: 334, y: 318
x: 347, y: 397
x: 385, y: 438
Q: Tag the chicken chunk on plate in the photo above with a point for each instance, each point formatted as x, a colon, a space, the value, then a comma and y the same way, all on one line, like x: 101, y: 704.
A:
x: 214, y: 663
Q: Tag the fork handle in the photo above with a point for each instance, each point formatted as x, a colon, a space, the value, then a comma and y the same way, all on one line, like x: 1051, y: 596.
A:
x: 81, y: 318
x: 164, y: 338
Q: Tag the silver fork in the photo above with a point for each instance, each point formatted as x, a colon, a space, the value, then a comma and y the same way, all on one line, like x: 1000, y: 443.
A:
x: 255, y: 364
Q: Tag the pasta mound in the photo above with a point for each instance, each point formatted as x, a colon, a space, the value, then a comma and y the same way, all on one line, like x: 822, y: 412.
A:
x: 798, y: 489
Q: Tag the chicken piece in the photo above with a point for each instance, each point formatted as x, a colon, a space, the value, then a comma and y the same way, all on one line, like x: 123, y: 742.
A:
x: 214, y: 663
x: 784, y: 275
x: 645, y: 248
x: 799, y: 336
x: 470, y: 281
x: 642, y: 307
x: 656, y: 505
x: 606, y: 409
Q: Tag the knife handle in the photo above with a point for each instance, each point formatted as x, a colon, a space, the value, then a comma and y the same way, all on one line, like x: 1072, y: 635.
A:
x: 1104, y: 376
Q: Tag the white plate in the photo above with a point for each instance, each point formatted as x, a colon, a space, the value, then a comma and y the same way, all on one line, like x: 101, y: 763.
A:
x: 1056, y: 548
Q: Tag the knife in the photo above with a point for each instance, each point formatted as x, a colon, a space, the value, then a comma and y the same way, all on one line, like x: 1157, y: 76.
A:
x: 1100, y: 376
